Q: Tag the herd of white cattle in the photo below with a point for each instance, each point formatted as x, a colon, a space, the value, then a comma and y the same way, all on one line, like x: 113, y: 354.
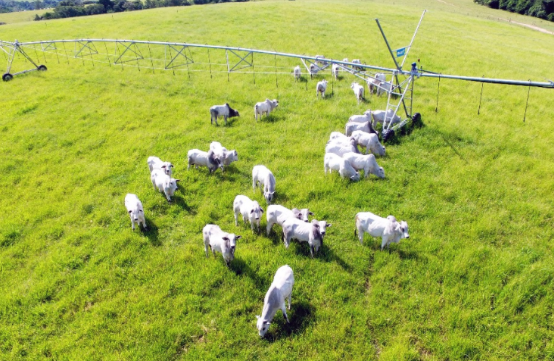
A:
x: 341, y: 155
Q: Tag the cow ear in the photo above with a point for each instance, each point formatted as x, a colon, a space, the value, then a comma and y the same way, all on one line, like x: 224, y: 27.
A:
x: 311, y: 213
x: 261, y: 210
x: 238, y: 237
x: 177, y: 180
x: 329, y: 225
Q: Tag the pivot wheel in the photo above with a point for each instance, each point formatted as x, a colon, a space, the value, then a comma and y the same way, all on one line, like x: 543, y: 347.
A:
x: 388, y: 134
x: 41, y: 68
x: 7, y: 77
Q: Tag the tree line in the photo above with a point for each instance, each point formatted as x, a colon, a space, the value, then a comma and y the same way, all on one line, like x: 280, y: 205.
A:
x: 543, y: 9
x: 73, y: 8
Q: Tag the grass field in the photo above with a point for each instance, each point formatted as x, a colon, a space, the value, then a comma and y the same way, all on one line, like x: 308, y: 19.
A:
x: 20, y: 16
x: 474, y: 281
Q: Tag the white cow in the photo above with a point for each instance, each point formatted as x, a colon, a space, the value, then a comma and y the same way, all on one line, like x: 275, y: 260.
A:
x: 135, y: 210
x: 335, y: 162
x: 224, y: 111
x: 314, y: 69
x: 164, y: 183
x: 335, y: 71
x: 249, y: 209
x: 339, y: 136
x: 351, y: 127
x: 389, y: 229
x: 367, y: 163
x: 265, y: 107
x: 339, y: 147
x: 358, y: 91
x: 303, y: 232
x: 373, y: 83
x: 370, y: 142
x: 220, y: 241
x: 207, y: 159
x: 280, y: 289
x: 226, y: 157
x: 297, y: 72
x: 156, y: 163
x: 384, y: 87
x: 380, y: 115
x: 321, y: 87
x: 278, y: 214
x: 261, y: 174
x: 363, y: 118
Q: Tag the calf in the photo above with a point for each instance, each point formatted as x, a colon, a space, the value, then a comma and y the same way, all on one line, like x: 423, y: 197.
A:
x: 265, y: 107
x: 222, y: 242
x: 135, y: 210
x: 224, y: 111
x: 164, y: 183
x: 345, y: 169
x: 261, y: 174
x: 335, y: 71
x: 358, y: 91
x: 367, y: 163
x: 321, y: 87
x: 384, y: 87
x: 249, y: 209
x: 303, y: 232
x: 156, y: 163
x: 389, y: 229
x: 278, y: 214
x: 280, y: 289
x: 364, y: 127
x: 370, y: 141
x: 198, y: 157
x: 225, y: 157
x: 297, y: 73
x: 373, y: 83
x: 364, y: 118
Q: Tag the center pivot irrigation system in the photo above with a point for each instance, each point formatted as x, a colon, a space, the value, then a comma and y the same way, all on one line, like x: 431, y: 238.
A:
x: 178, y: 56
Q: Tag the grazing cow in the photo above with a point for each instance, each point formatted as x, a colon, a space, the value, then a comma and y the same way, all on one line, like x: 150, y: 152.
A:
x: 164, y: 183
x: 135, y: 210
x: 335, y: 71
x: 370, y: 142
x: 198, y: 157
x: 297, y: 72
x: 224, y: 111
x: 280, y: 289
x: 345, y: 169
x: 345, y: 60
x: 357, y: 61
x: 339, y: 136
x: 358, y: 91
x: 303, y: 232
x: 367, y: 163
x: 380, y: 115
x: 261, y: 174
x: 363, y: 118
x: 321, y: 87
x: 278, y: 214
x: 222, y: 242
x: 249, y: 209
x: 156, y: 163
x: 389, y: 229
x: 364, y: 127
x: 339, y: 147
x: 265, y: 107
x: 373, y: 83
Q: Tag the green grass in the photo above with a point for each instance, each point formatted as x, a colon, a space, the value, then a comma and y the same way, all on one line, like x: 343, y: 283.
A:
x: 474, y: 281
x: 20, y: 16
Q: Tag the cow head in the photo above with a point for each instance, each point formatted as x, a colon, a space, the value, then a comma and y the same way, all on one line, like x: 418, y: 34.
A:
x: 262, y: 325
x: 402, y: 228
x: 256, y: 212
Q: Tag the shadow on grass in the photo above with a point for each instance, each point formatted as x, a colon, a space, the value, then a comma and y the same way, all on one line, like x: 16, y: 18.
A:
x: 241, y: 268
x: 180, y: 201
x: 152, y: 233
x: 301, y: 315
x: 325, y: 254
x: 271, y: 118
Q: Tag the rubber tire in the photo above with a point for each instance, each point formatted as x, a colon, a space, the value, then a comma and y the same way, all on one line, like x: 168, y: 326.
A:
x: 42, y: 68
x: 7, y: 77
x: 388, y: 134
x: 416, y: 119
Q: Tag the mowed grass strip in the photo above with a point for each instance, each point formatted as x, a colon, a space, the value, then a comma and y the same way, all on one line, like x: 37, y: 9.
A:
x: 474, y: 281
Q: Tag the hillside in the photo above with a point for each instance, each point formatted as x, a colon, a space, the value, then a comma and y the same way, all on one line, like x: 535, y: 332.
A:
x: 473, y: 281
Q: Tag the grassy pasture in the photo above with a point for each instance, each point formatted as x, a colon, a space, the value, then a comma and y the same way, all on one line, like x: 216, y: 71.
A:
x: 20, y: 16
x: 473, y: 282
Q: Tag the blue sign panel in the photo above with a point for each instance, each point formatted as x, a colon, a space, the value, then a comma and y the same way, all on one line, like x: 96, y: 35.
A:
x: 400, y: 52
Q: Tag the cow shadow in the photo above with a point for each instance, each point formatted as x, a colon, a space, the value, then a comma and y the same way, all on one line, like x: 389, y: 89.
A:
x: 275, y: 235
x: 152, y: 233
x: 271, y: 118
x: 301, y: 315
x: 242, y: 268
x: 180, y: 201
x: 324, y: 254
